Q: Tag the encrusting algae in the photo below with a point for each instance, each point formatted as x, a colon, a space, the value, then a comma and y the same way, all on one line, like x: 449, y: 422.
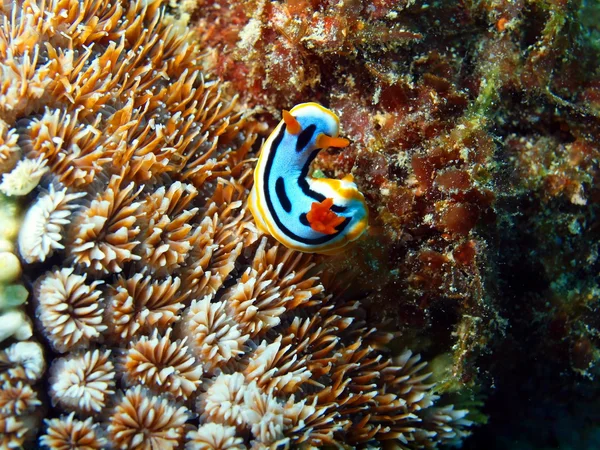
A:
x: 165, y: 318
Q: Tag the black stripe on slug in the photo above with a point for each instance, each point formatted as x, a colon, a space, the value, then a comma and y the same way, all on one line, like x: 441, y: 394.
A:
x: 290, y: 234
x: 303, y: 220
x: 308, y: 191
x: 282, y: 195
x: 305, y: 136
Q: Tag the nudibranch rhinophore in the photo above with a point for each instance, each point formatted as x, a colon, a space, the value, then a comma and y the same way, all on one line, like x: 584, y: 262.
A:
x: 313, y: 215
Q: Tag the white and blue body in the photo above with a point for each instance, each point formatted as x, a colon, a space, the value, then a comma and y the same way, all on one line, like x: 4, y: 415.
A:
x: 284, y: 193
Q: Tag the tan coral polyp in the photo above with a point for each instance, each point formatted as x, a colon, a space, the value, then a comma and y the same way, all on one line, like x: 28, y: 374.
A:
x: 139, y: 304
x: 102, y: 239
x: 69, y: 309
x: 142, y: 421
x: 163, y: 365
x: 67, y: 433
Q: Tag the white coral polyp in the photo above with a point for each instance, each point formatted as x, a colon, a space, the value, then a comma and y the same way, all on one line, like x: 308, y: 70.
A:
x: 215, y: 336
x: 83, y: 383
x: 9, y: 150
x: 264, y: 367
x: 263, y: 414
x: 214, y: 436
x: 162, y: 364
x: 70, y: 433
x: 42, y: 229
x: 147, y: 422
x: 17, y: 398
x: 224, y: 399
x: 23, y: 361
x: 24, y: 178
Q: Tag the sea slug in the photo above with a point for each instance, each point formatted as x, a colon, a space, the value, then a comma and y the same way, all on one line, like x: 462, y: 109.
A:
x: 313, y: 215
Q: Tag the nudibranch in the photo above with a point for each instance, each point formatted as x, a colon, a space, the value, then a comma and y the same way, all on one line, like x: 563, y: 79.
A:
x: 313, y: 215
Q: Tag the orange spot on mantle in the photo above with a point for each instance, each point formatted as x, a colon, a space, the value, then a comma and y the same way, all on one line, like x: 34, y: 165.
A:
x: 322, y: 219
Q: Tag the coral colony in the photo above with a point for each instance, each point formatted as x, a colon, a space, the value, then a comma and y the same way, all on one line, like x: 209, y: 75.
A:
x: 160, y: 196
x: 141, y: 306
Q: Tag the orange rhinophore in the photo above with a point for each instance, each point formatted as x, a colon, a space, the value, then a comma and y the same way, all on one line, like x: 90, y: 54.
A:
x: 324, y: 141
x: 291, y: 124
